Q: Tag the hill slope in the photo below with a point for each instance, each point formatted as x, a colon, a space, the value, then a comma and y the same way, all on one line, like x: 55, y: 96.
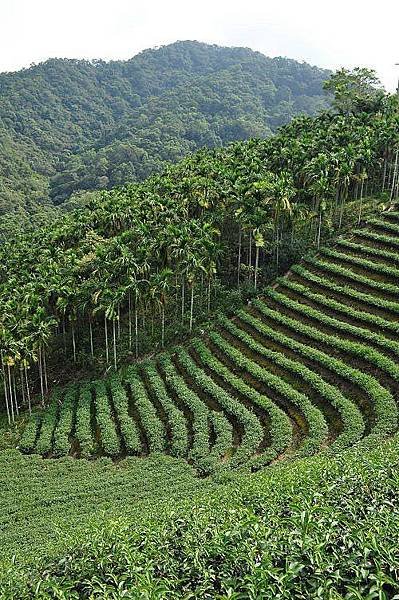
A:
x: 313, y: 363
x: 69, y: 125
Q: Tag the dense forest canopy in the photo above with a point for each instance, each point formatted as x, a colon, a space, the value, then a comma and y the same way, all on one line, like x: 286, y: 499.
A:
x: 72, y: 125
x: 139, y: 258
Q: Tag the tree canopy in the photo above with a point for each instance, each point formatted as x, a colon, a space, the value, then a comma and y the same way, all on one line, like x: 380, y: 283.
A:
x: 153, y: 250
x: 72, y: 125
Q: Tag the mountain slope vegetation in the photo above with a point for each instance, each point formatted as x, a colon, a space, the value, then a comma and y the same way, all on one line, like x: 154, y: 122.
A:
x: 70, y: 125
x: 313, y: 363
x: 255, y: 455
x: 141, y: 266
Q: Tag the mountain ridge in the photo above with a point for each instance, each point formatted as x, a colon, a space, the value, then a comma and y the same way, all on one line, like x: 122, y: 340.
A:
x: 69, y: 125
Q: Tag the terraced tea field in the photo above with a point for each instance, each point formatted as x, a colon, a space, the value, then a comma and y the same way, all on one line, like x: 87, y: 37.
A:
x: 313, y: 364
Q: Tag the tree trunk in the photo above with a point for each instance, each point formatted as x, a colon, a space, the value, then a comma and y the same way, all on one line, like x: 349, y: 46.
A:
x: 73, y: 342
x: 256, y: 267
x: 136, y: 328
x: 41, y: 374
x: 163, y: 326
x: 28, y: 390
x: 239, y: 256
x: 6, y: 393
x: 192, y: 307
x: 106, y: 340
x: 183, y: 300
x: 384, y: 174
x: 91, y: 339
x: 395, y: 174
x: 21, y: 378
x: 130, y: 321
x: 250, y: 257
x: 115, y: 348
x: 319, y: 230
x: 14, y: 387
x: 64, y: 335
x: 10, y: 394
x: 45, y: 371
x: 119, y: 320
x: 361, y: 204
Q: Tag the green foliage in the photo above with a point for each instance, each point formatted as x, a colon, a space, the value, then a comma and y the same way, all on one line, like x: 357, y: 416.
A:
x: 353, y: 424
x: 147, y: 414
x: 353, y: 276
x: 105, y: 421
x: 384, y: 406
x: 345, y: 290
x: 48, y: 427
x: 377, y: 237
x: 63, y: 429
x: 175, y: 418
x: 384, y: 225
x: 354, y: 91
x: 356, y: 249
x: 323, y: 527
x: 83, y: 426
x: 27, y: 442
x: 339, y: 327
x: 251, y: 427
x: 315, y: 423
x: 70, y: 126
x: 129, y: 432
x: 280, y: 426
x: 346, y: 311
x: 365, y: 264
x: 200, y: 450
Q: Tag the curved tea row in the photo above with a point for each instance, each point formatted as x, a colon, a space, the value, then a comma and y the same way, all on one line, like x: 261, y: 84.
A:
x: 312, y: 365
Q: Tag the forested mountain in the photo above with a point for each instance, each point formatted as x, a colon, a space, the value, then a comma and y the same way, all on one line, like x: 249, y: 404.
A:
x: 70, y: 125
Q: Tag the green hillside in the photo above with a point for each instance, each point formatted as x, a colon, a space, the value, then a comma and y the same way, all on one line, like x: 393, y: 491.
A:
x: 70, y: 125
x: 309, y: 368
x: 311, y: 364
x: 200, y: 374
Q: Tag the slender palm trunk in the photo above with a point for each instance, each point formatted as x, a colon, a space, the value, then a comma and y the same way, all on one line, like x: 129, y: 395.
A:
x: 73, y: 342
x: 209, y: 294
x: 163, y: 325
x: 41, y: 374
x: 256, y: 267
x: 106, y: 340
x: 64, y: 335
x: 341, y: 212
x: 384, y: 174
x: 28, y: 390
x: 192, y: 307
x: 136, y: 327
x: 361, y: 203
x: 115, y: 348
x: 10, y: 394
x: 395, y: 174
x: 250, y: 257
x: 239, y: 256
x: 45, y: 371
x: 319, y: 229
x: 6, y: 393
x: 14, y: 387
x: 91, y: 339
x: 130, y: 321
x: 21, y: 379
x: 183, y: 300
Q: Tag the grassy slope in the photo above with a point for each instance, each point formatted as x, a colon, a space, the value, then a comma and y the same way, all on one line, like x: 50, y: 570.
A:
x: 324, y: 527
x: 316, y: 528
